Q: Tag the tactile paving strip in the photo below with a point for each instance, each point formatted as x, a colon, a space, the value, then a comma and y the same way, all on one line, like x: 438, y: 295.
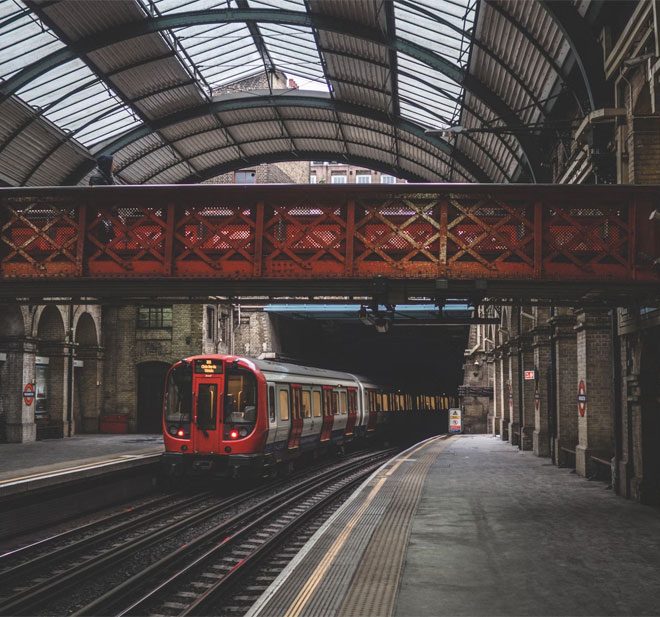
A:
x: 370, y: 531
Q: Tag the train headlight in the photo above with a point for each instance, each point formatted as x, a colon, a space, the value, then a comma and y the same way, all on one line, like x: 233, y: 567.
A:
x: 243, y: 432
x: 233, y: 434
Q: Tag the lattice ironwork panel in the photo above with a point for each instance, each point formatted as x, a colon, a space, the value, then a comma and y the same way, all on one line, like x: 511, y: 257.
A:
x: 397, y: 236
x: 40, y: 237
x: 304, y: 238
x: 215, y: 239
x: 126, y: 239
x: 579, y: 241
x: 489, y: 237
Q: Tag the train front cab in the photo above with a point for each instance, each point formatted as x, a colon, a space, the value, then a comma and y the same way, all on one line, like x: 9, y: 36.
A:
x: 210, y: 419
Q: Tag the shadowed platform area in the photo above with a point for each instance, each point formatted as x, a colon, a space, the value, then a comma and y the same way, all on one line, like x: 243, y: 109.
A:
x: 471, y: 526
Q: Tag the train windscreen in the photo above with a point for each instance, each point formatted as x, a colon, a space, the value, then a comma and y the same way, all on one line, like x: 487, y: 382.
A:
x: 241, y: 397
x: 178, y: 403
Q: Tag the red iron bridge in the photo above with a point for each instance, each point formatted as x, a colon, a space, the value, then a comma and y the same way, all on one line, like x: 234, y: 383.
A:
x: 559, y: 244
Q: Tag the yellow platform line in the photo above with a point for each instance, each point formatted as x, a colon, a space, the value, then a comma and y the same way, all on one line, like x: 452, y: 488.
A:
x: 305, y: 594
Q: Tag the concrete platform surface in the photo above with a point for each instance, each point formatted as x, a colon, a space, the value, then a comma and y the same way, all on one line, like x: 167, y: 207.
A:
x: 491, y: 531
x: 23, y: 460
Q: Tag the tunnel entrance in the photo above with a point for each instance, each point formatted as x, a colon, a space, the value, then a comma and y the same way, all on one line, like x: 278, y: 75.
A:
x: 413, y: 359
x: 151, y: 381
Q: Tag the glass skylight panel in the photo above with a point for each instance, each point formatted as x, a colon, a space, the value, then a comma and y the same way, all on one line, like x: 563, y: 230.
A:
x: 293, y: 50
x: 22, y: 38
x: 289, y: 5
x: 444, y: 101
x: 222, y: 53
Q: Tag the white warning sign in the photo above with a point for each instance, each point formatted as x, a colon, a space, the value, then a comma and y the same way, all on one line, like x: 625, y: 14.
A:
x: 455, y: 422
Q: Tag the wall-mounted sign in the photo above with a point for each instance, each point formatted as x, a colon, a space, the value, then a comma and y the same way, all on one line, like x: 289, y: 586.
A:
x: 28, y: 394
x: 582, y: 398
x: 529, y: 375
x: 455, y: 424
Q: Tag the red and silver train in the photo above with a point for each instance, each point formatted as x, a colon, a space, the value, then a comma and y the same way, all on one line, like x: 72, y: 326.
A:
x: 230, y: 415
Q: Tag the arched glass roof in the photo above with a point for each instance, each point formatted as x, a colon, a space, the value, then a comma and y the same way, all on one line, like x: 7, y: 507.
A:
x: 163, y: 86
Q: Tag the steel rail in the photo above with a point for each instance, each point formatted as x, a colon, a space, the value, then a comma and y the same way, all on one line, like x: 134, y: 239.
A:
x: 27, y: 600
x: 71, y: 550
x: 107, y: 603
x: 248, y: 564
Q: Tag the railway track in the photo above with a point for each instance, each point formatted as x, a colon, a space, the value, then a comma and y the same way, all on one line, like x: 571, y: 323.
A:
x: 34, y: 583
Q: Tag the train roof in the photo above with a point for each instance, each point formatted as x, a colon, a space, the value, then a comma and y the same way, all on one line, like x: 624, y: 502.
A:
x: 273, y: 366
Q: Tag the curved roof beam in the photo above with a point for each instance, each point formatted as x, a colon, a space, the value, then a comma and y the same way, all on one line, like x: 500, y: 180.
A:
x: 228, y: 127
x: 318, y: 101
x: 489, y: 52
x: 588, y: 54
x: 192, y: 18
x: 575, y: 84
x: 235, y: 164
x: 312, y: 155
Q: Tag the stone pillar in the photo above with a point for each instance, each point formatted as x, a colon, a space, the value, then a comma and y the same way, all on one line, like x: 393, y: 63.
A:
x: 542, y: 364
x: 564, y: 348
x: 87, y: 390
x: 492, y: 371
x: 57, y: 353
x: 594, y: 370
x: 528, y: 392
x: 17, y: 372
x: 515, y: 394
x: 503, y: 399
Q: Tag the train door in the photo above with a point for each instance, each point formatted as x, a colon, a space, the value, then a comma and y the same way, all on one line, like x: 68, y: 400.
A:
x: 328, y: 415
x: 284, y: 413
x: 306, y: 413
x: 272, y: 417
x: 352, y: 411
x: 207, y: 425
x: 317, y: 411
x: 296, y: 417
x: 340, y: 403
x: 372, y: 399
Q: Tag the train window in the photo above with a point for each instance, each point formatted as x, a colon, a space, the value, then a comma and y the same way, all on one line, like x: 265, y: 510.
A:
x: 240, y: 397
x: 284, y: 405
x: 335, y: 403
x: 178, y: 405
x: 207, y: 404
x: 343, y: 402
x: 295, y: 407
x: 386, y: 406
x: 271, y: 403
x: 316, y: 404
x: 306, y: 404
x: 352, y: 401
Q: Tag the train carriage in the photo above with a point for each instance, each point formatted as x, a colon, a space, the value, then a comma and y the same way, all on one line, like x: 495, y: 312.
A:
x: 232, y: 415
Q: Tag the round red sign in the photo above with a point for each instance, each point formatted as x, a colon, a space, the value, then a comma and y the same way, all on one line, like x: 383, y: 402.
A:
x: 28, y: 394
x: 582, y: 398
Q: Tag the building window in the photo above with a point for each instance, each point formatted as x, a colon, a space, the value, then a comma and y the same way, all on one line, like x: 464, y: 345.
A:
x: 312, y: 178
x: 386, y: 179
x: 339, y: 179
x: 210, y: 322
x: 245, y: 176
x: 154, y: 317
x: 363, y: 178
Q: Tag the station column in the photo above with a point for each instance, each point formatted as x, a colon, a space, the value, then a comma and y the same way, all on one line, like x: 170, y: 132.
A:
x: 542, y: 366
x: 503, y: 402
x: 20, y: 378
x: 528, y: 392
x: 564, y: 348
x: 594, y: 391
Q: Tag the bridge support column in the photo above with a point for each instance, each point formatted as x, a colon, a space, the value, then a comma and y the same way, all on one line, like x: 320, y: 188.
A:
x: 594, y: 374
x: 528, y: 391
x: 515, y: 393
x: 542, y: 364
x: 17, y: 371
x: 502, y: 398
x: 564, y: 348
x: 492, y: 378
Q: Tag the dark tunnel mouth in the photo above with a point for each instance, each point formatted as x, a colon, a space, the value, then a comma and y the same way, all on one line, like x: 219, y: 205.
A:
x: 418, y: 360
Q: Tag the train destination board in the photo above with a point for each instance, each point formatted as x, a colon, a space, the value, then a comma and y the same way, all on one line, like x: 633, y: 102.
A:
x: 208, y: 367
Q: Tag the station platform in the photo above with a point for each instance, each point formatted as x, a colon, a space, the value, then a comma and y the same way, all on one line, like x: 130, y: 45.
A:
x: 43, y: 482
x: 25, y: 466
x: 469, y: 525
